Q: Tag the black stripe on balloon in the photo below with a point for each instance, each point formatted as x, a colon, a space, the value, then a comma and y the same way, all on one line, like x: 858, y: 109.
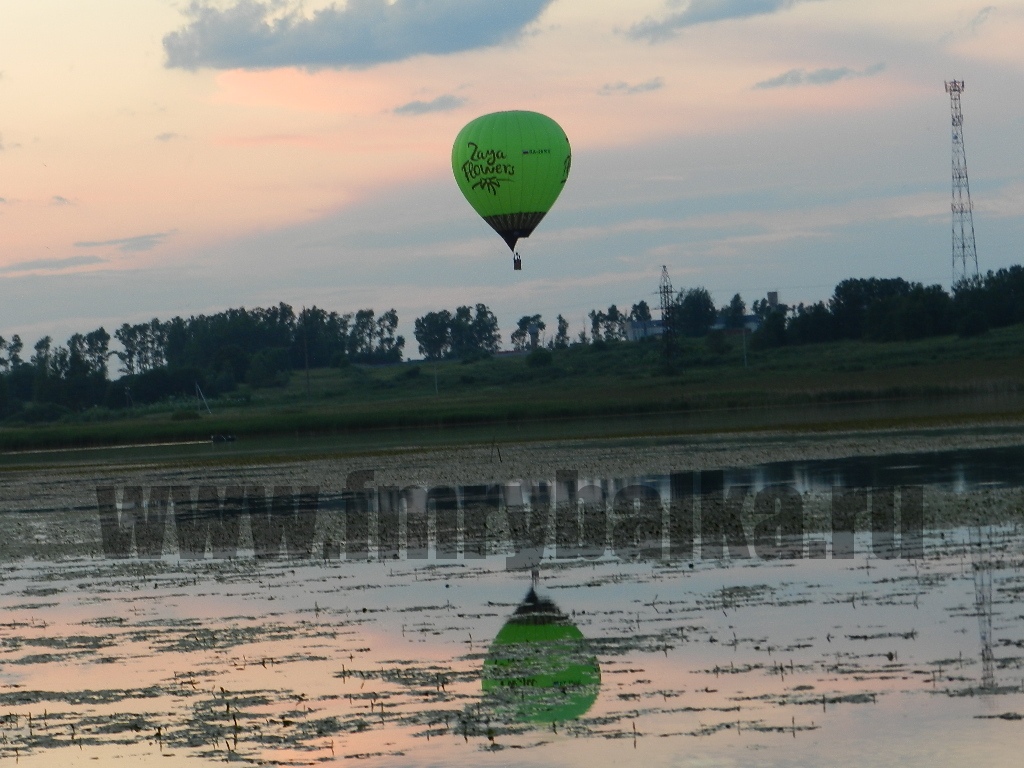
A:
x: 512, y: 226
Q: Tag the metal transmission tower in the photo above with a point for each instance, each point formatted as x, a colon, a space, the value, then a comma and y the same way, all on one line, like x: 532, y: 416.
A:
x: 965, y: 255
x: 665, y: 292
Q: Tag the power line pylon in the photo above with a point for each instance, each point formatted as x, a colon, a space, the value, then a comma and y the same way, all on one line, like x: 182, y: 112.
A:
x: 965, y: 254
x: 665, y: 293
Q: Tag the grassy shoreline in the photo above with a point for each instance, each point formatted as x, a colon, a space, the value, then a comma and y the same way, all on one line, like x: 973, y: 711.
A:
x: 850, y: 385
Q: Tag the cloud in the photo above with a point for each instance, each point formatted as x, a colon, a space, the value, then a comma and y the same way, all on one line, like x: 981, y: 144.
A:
x: 705, y: 12
x: 980, y: 18
x: 60, y: 200
x: 824, y: 76
x: 443, y: 103
x: 653, y: 84
x: 253, y: 34
x: 52, y: 265
x: 972, y: 27
x: 168, y: 136
x: 129, y: 244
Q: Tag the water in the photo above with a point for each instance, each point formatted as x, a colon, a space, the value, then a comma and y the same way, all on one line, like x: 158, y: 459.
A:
x: 957, y: 470
x: 802, y: 662
x: 711, y: 662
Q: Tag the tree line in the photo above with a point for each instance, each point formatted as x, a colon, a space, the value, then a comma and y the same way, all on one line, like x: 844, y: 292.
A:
x: 893, y: 309
x: 260, y: 347
x: 159, y: 359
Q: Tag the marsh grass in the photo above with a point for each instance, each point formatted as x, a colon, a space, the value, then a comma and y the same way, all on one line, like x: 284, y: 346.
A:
x: 944, y: 380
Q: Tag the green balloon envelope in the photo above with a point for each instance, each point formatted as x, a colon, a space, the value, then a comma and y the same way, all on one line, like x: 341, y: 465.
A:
x: 511, y: 166
x: 539, y: 668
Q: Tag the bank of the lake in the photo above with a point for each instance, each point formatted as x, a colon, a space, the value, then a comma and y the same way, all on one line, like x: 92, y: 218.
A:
x: 597, y: 390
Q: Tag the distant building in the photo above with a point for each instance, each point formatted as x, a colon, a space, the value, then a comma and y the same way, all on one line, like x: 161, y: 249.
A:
x: 643, y: 329
x: 750, y: 322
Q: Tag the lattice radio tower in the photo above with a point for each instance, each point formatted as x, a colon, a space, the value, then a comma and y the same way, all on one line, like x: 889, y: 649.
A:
x: 965, y: 255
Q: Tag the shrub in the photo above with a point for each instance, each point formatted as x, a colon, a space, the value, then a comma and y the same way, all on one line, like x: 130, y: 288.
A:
x: 539, y: 358
x: 972, y: 324
x: 268, y: 368
x: 716, y: 343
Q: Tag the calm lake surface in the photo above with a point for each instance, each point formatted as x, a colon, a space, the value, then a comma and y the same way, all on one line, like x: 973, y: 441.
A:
x: 958, y: 469
x: 398, y: 662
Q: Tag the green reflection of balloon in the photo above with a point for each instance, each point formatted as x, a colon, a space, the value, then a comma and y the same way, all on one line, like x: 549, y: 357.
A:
x: 539, y: 669
x: 511, y: 166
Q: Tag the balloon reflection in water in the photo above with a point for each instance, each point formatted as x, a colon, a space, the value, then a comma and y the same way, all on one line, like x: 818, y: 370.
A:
x: 539, y: 667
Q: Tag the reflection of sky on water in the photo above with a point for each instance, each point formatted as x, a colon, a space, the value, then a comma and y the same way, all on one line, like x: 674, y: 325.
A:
x: 864, y: 662
x: 956, y: 470
x: 848, y: 663
x: 960, y: 471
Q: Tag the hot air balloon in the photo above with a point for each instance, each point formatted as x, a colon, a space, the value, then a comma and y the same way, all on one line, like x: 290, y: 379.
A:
x: 539, y: 668
x: 511, y: 166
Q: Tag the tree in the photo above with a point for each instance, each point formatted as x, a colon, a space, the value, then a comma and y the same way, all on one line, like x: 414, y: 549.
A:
x: 19, y: 379
x: 693, y: 312
x: 14, y: 351
x: 562, y: 335
x: 388, y: 346
x: 1004, y: 296
x: 360, y: 336
x: 640, y: 312
x: 597, y: 322
x: 810, y: 325
x: 851, y: 299
x: 129, y: 354
x: 433, y: 334
x: 463, y: 334
x: 373, y: 340
x: 268, y: 368
x: 772, y: 332
x: 321, y: 338
x: 41, y: 358
x: 608, y: 326
x: 143, y: 346
x: 995, y: 300
x: 921, y: 312
x: 76, y: 364
x: 97, y: 352
x: 614, y: 324
x: 46, y: 364
x: 474, y: 335
x: 159, y: 359
x: 734, y: 313
x: 485, y: 330
x: 520, y: 338
x: 176, y: 341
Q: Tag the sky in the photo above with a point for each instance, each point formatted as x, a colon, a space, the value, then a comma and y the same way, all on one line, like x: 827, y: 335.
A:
x: 163, y: 158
